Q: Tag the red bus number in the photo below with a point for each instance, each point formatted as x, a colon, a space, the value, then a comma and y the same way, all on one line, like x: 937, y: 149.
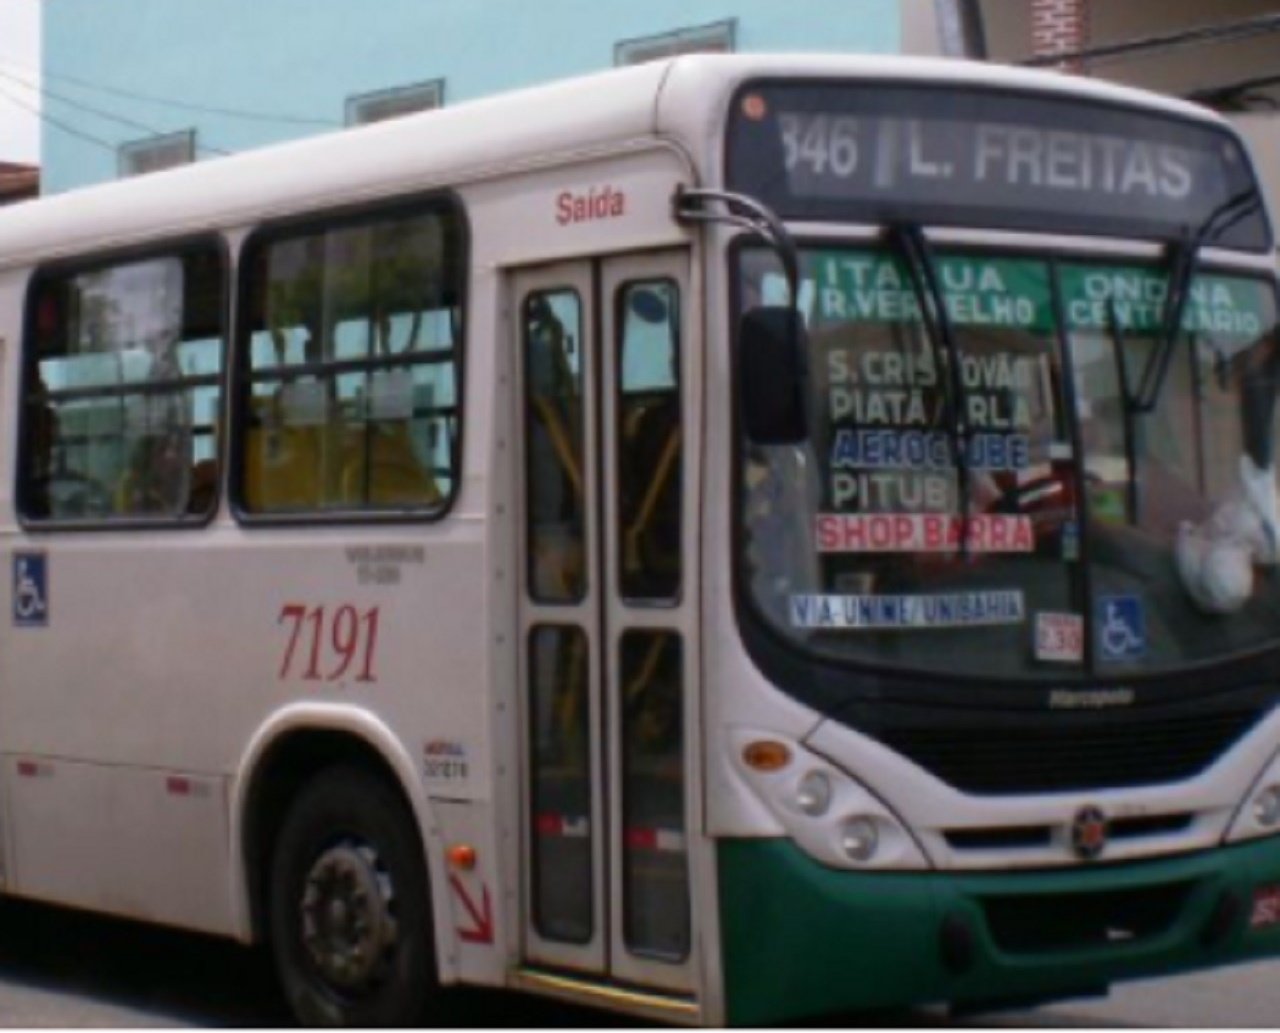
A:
x: 328, y: 643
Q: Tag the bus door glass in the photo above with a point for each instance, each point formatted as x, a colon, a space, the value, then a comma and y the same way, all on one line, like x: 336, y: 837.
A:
x: 606, y: 618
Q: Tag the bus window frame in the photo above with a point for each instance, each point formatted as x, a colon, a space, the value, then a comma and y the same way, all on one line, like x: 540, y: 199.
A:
x: 835, y: 686
x: 100, y: 261
x: 444, y: 202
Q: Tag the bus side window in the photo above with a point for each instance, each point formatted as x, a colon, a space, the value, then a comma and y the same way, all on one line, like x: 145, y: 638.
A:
x: 123, y: 387
x: 352, y: 353
x: 649, y: 445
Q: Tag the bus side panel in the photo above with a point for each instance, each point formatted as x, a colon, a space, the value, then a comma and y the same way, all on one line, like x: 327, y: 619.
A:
x: 165, y: 654
x: 131, y: 841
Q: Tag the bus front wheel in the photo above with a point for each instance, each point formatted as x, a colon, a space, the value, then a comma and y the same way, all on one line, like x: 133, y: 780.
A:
x: 350, y: 915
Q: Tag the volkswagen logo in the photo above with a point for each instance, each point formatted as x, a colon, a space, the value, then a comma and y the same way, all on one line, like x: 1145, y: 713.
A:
x: 1088, y: 833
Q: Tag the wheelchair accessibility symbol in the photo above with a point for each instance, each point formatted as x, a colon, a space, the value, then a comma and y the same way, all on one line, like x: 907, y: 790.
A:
x: 1120, y: 627
x: 30, y: 589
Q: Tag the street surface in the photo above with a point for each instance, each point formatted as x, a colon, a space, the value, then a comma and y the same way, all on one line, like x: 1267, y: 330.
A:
x: 61, y: 968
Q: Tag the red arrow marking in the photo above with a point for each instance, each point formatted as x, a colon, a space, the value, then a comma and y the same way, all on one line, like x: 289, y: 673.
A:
x: 481, y: 930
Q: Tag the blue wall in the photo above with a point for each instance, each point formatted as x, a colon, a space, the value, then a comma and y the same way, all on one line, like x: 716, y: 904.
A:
x: 305, y: 57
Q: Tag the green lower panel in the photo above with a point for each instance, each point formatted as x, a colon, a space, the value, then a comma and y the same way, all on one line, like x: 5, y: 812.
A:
x: 802, y: 939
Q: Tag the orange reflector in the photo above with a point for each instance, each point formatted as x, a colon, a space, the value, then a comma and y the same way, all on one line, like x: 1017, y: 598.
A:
x: 766, y: 755
x: 461, y: 856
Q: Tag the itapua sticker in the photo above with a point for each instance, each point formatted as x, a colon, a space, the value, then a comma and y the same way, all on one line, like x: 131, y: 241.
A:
x: 30, y: 589
x: 882, y: 612
x: 1059, y: 638
x: 1120, y: 627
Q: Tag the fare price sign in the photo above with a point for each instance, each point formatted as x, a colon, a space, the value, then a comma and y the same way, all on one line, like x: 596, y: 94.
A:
x: 966, y: 156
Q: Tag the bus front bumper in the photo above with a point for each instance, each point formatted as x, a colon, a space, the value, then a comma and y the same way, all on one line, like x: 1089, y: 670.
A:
x: 804, y: 939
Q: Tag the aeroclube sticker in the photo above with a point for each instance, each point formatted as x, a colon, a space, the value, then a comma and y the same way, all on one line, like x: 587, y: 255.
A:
x: 871, y: 612
x: 1060, y: 638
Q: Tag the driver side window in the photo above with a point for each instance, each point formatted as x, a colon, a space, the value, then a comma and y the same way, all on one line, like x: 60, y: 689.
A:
x: 122, y: 390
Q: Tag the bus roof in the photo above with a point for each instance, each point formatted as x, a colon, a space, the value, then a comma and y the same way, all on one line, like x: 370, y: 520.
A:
x: 681, y: 98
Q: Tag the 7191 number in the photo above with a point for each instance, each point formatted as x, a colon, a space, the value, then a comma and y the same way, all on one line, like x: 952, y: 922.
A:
x: 328, y: 644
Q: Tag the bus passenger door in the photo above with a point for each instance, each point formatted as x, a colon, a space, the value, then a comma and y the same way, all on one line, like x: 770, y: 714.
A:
x: 608, y: 615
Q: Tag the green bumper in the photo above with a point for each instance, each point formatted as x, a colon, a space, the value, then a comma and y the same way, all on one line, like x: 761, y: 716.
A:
x: 803, y: 939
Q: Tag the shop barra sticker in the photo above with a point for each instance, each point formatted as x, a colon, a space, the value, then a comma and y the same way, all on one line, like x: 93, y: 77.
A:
x: 1060, y: 638
x: 871, y: 612
x: 923, y: 532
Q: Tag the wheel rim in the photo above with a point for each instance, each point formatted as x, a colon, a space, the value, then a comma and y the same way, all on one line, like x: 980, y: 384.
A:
x: 348, y: 928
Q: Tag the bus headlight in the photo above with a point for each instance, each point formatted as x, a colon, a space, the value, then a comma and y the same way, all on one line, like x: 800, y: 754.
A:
x: 827, y: 813
x: 1259, y: 812
x: 859, y: 838
x: 1266, y: 807
x: 813, y: 794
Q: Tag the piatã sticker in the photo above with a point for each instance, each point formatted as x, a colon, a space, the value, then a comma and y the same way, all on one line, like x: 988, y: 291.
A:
x: 879, y: 612
x: 1060, y: 638
x: 923, y: 532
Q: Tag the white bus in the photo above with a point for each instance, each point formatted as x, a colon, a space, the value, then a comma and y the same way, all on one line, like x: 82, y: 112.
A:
x: 727, y: 539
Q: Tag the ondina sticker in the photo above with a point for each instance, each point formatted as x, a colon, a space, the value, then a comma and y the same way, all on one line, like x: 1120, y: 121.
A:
x: 873, y: 612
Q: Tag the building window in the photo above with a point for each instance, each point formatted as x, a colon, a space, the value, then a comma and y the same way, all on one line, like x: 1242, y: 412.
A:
x: 349, y: 398
x: 399, y: 100
x: 716, y: 38
x: 138, y: 157
x: 123, y: 390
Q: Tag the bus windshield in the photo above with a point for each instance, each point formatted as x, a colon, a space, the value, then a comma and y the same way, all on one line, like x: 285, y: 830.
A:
x: 1091, y: 534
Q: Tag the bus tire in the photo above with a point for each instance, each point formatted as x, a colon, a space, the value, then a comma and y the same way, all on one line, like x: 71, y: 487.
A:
x: 349, y: 905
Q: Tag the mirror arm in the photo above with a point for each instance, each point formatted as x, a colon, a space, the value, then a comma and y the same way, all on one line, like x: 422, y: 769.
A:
x: 691, y: 204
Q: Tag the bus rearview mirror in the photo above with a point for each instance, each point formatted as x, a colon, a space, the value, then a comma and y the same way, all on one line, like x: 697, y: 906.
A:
x: 773, y: 348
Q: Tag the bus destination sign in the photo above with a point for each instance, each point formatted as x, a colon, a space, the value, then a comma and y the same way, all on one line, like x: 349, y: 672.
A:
x: 973, y: 157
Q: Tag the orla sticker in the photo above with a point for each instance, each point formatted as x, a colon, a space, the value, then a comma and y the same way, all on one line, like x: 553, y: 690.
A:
x: 1060, y: 638
x: 871, y: 612
x: 923, y: 532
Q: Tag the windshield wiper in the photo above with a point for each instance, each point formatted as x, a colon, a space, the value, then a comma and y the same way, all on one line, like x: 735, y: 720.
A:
x: 910, y: 241
x: 1184, y: 255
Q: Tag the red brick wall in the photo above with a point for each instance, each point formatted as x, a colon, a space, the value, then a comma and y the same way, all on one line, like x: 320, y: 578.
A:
x: 1059, y: 27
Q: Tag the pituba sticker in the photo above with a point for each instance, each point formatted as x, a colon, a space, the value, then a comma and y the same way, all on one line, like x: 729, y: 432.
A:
x: 923, y: 532
x: 873, y: 612
x: 1060, y: 638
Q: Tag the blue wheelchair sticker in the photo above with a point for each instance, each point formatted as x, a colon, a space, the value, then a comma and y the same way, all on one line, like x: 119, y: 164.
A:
x: 30, y: 589
x: 1120, y: 627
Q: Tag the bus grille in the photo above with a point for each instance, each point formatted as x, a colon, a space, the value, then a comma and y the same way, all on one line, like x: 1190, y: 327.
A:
x: 1044, y: 758
x: 1041, y: 924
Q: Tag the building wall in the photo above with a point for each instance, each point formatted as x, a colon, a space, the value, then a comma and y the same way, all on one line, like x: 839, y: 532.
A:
x: 1178, y: 71
x: 305, y: 57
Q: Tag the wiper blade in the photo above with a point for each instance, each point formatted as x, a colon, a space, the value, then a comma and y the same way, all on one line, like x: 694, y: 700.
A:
x: 910, y: 241
x: 1184, y: 255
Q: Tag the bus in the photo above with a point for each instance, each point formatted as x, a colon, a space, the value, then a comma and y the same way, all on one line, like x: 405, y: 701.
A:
x: 728, y: 539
